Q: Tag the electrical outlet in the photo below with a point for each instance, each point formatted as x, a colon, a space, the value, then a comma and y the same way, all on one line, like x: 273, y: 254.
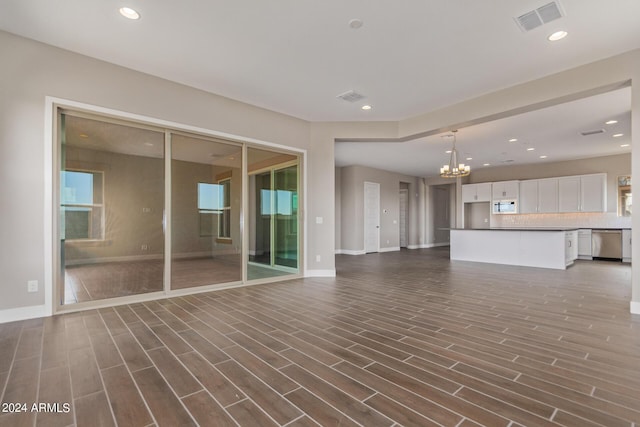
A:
x: 144, y: 247
x: 318, y: 258
x: 32, y: 286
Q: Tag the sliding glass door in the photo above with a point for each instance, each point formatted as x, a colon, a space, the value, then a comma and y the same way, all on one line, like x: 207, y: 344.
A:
x: 273, y: 226
x: 144, y: 209
x: 206, y: 197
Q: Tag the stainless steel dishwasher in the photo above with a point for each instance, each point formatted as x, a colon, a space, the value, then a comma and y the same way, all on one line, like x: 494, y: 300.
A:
x: 606, y: 244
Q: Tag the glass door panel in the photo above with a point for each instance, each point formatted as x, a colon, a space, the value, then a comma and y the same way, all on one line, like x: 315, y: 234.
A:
x: 206, y: 197
x: 273, y: 214
x: 111, y: 206
x: 286, y: 217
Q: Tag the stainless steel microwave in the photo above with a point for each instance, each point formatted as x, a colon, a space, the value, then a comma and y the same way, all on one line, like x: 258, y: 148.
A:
x: 505, y: 206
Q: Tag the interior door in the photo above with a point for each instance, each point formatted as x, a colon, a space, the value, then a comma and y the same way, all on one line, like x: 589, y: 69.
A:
x: 404, y: 216
x: 371, y: 217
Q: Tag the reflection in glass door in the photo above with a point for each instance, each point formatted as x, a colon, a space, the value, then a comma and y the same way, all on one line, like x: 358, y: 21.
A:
x: 111, y: 206
x: 206, y: 195
x: 285, y: 217
x: 273, y: 214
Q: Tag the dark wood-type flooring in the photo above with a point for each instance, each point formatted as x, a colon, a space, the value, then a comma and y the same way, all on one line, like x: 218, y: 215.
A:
x: 406, y: 338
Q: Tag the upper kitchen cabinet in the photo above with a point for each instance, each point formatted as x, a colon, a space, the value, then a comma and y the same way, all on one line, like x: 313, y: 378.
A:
x: 539, y: 196
x: 505, y: 190
x: 548, y: 195
x: 585, y: 193
x: 476, y: 192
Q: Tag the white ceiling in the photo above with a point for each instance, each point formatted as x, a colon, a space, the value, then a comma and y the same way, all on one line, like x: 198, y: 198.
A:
x: 552, y: 131
x: 296, y: 56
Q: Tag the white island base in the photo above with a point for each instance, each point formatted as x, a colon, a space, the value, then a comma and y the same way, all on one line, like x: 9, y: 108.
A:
x: 546, y: 248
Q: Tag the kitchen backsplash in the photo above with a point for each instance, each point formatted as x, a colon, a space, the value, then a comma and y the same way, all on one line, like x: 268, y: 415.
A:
x: 578, y: 220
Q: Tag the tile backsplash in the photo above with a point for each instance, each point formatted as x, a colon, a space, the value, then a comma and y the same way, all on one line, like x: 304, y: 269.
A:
x: 578, y: 220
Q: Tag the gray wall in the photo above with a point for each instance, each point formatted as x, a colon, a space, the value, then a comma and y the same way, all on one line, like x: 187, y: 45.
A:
x: 351, y: 194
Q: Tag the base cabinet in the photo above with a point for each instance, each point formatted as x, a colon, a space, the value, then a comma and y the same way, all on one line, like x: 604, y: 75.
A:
x: 571, y: 247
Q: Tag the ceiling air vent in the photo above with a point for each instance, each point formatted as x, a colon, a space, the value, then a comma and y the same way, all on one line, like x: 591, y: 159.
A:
x: 592, y: 132
x: 351, y: 96
x: 537, y: 17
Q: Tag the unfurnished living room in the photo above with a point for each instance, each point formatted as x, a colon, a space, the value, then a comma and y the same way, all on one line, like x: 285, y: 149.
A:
x: 301, y: 214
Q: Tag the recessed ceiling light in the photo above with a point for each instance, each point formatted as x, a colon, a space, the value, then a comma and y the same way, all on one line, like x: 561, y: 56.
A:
x: 469, y: 158
x: 129, y: 13
x: 149, y: 144
x: 558, y: 35
x: 624, y: 145
x: 448, y: 152
x: 486, y: 164
x: 530, y: 149
x: 543, y: 157
x: 513, y: 140
x: 611, y: 122
x: 83, y: 135
x: 354, y: 24
x: 366, y: 107
x: 618, y: 135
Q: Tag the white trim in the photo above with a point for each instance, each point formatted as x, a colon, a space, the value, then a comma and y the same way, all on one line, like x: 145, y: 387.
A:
x: 350, y: 252
x: 337, y: 251
x: 414, y: 246
x: 390, y: 249
x: 635, y: 307
x: 49, y: 117
x: 24, y: 313
x: 320, y: 273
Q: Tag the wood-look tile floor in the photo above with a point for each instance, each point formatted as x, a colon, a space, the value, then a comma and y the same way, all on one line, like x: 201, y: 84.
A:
x: 405, y: 338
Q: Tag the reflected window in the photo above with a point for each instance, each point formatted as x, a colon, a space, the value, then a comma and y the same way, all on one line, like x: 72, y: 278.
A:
x: 214, y: 206
x: 82, y: 205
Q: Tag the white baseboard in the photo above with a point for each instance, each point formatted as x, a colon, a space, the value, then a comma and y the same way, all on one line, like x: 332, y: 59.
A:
x: 24, y: 313
x: 350, y: 252
x: 390, y: 249
x: 414, y: 246
x: 320, y: 273
x: 635, y: 307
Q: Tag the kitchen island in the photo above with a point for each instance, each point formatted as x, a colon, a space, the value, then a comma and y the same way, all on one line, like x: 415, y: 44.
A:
x: 530, y: 247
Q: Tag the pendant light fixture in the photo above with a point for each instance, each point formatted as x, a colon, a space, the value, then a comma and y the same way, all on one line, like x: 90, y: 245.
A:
x: 454, y: 169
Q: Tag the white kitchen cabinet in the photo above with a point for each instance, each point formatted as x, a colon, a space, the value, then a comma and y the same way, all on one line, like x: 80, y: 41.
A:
x: 593, y: 193
x: 584, y: 244
x: 569, y: 194
x: 571, y: 246
x: 505, y: 190
x: 548, y: 195
x: 529, y: 196
x: 539, y: 196
x: 626, y: 245
x: 480, y: 192
x: 584, y: 193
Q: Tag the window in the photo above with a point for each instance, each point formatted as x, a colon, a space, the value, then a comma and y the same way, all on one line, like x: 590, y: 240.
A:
x: 82, y: 205
x: 214, y: 201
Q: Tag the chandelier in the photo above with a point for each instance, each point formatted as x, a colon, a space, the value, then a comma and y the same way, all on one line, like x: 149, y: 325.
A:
x: 454, y: 169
